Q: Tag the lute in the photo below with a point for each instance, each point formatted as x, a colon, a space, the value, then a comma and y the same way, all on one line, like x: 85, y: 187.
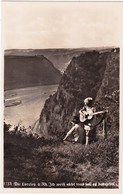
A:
x: 85, y: 116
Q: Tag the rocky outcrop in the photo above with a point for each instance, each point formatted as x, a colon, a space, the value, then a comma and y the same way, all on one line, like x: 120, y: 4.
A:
x: 110, y: 81
x: 93, y: 73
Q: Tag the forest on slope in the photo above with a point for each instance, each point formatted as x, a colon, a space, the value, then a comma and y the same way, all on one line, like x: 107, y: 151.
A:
x: 26, y: 71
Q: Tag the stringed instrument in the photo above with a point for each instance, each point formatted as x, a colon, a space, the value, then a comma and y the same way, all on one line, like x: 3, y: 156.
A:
x: 88, y: 116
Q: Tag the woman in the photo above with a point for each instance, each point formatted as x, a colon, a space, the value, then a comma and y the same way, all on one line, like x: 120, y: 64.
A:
x: 86, y: 115
x: 77, y: 131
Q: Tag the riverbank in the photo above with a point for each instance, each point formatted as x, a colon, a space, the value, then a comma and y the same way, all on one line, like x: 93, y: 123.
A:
x: 25, y: 104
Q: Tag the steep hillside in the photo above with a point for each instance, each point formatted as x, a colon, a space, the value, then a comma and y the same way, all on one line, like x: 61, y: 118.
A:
x: 24, y: 71
x: 60, y: 58
x: 94, y: 74
x: 110, y: 81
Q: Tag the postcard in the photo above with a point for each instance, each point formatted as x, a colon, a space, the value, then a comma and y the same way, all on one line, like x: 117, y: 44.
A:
x: 61, y: 127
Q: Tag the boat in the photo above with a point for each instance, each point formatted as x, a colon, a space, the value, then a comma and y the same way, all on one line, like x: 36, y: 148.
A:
x: 15, y: 103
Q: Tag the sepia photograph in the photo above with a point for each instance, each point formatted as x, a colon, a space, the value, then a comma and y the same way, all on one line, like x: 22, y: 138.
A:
x: 61, y: 95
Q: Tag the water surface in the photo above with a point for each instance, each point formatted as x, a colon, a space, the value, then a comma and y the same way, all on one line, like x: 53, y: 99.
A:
x: 31, y: 100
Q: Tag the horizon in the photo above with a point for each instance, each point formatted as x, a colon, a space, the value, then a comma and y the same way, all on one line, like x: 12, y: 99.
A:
x: 61, y: 48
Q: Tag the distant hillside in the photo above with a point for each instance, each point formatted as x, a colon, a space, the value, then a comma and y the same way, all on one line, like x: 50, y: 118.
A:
x: 24, y: 71
x: 93, y: 74
x: 60, y: 58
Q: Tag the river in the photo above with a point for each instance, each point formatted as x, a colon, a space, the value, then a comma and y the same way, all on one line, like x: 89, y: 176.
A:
x: 25, y: 104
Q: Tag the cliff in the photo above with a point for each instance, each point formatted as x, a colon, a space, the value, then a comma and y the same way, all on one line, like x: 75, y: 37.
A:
x: 93, y: 73
x: 60, y: 58
x: 24, y: 71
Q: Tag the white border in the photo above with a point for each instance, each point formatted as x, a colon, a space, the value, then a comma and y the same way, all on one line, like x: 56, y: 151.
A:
x: 54, y: 190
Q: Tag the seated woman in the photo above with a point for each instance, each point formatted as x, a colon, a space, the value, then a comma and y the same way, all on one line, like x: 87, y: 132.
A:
x: 77, y: 131
x: 86, y: 117
x: 86, y: 113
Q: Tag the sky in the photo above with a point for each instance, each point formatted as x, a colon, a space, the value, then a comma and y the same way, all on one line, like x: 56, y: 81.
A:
x: 38, y: 25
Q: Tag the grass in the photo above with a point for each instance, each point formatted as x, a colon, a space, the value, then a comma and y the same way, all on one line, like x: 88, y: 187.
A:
x: 31, y: 160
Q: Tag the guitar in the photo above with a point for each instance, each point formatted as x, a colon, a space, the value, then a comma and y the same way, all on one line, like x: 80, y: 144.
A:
x: 85, y: 116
